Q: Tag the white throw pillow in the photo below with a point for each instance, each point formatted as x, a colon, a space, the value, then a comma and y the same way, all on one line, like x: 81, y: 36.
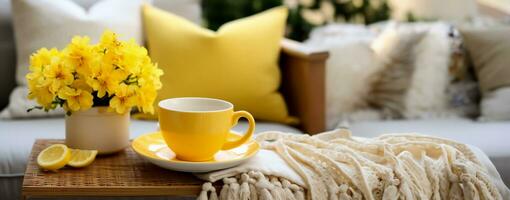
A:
x: 350, y: 65
x: 450, y: 10
x: 495, y: 105
x: 417, y: 88
x: 19, y: 104
x: 189, y: 9
x: 49, y: 23
x: 427, y: 95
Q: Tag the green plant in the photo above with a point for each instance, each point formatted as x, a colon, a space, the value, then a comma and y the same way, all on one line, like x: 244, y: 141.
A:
x: 304, y: 15
x: 218, y: 12
x: 307, y: 14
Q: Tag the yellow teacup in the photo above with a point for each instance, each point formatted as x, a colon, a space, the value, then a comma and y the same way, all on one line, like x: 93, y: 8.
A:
x: 196, y: 128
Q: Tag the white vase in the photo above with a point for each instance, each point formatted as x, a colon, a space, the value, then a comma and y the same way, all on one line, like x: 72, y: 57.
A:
x: 98, y: 129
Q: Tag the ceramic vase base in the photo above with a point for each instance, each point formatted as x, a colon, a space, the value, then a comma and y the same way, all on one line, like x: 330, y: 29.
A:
x: 98, y: 129
x: 99, y: 151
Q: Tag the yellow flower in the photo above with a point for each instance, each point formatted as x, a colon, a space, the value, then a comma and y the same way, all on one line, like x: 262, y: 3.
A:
x: 146, y: 96
x: 42, y: 95
x: 82, y: 85
x: 39, y: 87
x: 124, y: 99
x: 133, y: 57
x: 109, y: 40
x: 76, y: 99
x: 106, y: 80
x: 79, y: 54
x: 58, y: 75
x: 108, y: 46
x: 36, y: 79
x: 121, y: 71
x: 42, y: 58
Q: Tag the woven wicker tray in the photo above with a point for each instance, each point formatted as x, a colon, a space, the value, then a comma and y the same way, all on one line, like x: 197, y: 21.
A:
x: 121, y: 174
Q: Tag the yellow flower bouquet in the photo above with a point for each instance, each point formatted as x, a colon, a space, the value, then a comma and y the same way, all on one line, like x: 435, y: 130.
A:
x: 97, y: 85
x: 112, y: 73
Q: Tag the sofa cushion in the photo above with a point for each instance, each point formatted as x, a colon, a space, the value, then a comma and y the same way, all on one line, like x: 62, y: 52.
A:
x: 489, y: 50
x: 18, y: 136
x: 495, y: 106
x: 189, y: 9
x: 491, y: 137
x: 64, y: 19
x: 414, y: 78
x: 231, y: 64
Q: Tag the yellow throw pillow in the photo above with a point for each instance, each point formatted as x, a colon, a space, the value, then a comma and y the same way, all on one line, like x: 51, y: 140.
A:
x: 238, y: 63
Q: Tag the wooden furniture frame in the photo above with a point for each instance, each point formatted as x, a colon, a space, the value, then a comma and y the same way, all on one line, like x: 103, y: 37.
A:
x: 122, y: 174
x: 303, y: 84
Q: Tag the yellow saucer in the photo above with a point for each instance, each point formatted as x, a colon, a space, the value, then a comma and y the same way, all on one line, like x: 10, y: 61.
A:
x: 152, y: 147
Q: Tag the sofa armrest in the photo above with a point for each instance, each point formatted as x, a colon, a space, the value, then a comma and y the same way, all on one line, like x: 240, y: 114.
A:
x: 303, y: 84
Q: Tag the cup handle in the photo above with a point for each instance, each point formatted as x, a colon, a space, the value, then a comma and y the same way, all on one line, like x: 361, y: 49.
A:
x: 230, y: 144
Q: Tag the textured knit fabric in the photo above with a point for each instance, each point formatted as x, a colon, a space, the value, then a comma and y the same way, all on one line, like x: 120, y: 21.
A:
x: 334, y: 165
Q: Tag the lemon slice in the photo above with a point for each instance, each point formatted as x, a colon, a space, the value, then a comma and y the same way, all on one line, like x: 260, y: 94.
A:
x: 82, y: 158
x: 54, y: 157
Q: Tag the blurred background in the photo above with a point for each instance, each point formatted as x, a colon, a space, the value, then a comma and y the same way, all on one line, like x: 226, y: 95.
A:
x: 307, y: 14
x: 304, y: 15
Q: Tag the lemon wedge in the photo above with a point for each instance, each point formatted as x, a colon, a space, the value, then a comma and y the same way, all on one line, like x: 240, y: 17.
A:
x: 54, y: 157
x: 82, y: 158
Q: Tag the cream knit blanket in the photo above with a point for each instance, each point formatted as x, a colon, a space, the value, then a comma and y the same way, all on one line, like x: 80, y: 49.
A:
x: 334, y: 165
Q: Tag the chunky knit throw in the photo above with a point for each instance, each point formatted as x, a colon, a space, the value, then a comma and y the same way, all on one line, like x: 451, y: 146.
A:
x: 336, y: 166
